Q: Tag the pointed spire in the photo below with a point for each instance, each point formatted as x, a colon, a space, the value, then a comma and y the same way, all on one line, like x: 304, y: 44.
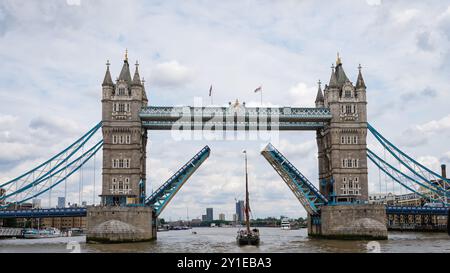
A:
x: 340, y: 74
x: 338, y: 60
x: 136, y: 78
x: 333, y: 80
x: 360, y: 81
x: 319, y: 97
x: 125, y: 72
x: 107, y: 81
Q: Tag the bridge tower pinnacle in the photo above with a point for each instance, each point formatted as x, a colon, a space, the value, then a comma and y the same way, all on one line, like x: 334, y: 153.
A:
x: 342, y: 143
x: 124, y: 148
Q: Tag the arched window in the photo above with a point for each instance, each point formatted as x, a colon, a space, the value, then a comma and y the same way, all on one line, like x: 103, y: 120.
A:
x: 348, y: 109
x: 349, y: 163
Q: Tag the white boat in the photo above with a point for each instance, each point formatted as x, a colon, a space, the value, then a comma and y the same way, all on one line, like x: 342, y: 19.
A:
x: 41, y: 233
x: 285, y: 224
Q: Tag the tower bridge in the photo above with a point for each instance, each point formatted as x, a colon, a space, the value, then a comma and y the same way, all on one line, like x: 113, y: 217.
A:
x: 338, y: 207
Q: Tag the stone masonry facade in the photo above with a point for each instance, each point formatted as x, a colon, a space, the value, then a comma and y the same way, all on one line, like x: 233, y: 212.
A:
x: 124, y: 146
x: 342, y: 143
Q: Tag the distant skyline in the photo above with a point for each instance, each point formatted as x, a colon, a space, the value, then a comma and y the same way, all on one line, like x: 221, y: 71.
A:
x: 53, y: 62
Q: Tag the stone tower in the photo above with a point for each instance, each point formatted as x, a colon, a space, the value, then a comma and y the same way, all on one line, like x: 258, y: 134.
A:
x: 124, y: 139
x: 342, y: 143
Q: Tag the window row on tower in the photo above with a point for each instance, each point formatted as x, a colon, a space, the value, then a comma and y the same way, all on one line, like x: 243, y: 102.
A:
x: 350, y: 185
x: 120, y: 185
x: 348, y: 109
x: 121, y: 107
x: 121, y: 163
x: 121, y: 139
x: 350, y: 163
x: 346, y: 139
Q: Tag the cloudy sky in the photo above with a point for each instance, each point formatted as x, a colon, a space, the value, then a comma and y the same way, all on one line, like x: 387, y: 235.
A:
x: 53, y: 56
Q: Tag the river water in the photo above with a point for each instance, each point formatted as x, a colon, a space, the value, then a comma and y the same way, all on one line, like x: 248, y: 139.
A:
x: 223, y: 240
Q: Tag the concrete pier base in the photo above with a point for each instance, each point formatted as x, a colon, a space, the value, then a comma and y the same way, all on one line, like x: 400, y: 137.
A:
x: 120, y: 224
x: 358, y: 222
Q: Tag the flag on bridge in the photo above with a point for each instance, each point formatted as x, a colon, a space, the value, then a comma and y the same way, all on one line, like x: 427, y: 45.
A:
x: 258, y: 89
x: 210, y: 90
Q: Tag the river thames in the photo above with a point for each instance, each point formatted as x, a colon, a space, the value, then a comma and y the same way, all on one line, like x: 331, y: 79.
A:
x: 223, y: 240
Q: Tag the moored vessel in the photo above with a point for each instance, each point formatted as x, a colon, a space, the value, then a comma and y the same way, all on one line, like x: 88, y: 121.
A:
x: 247, y: 236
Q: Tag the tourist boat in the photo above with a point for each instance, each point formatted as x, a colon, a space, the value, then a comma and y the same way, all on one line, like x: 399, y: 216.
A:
x: 247, y: 236
x: 73, y: 232
x: 285, y: 224
x: 41, y: 233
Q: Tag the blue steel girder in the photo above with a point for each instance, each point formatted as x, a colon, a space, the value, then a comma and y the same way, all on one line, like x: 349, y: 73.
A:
x: 47, y: 170
x: 308, y: 195
x: 43, y: 213
x: 401, y: 178
x: 417, y: 210
x: 234, y: 118
x: 419, y: 170
x: 162, y: 196
x: 72, y: 167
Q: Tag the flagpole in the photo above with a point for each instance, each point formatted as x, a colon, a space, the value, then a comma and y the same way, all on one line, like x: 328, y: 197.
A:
x: 261, y: 97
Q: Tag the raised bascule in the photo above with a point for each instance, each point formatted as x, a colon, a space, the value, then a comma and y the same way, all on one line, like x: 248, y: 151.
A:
x: 337, y: 208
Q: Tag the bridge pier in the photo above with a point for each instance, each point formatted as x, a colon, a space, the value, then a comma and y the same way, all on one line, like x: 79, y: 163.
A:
x: 362, y: 222
x: 119, y: 224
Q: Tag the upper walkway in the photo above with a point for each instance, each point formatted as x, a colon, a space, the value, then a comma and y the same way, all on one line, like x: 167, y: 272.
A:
x: 235, y: 117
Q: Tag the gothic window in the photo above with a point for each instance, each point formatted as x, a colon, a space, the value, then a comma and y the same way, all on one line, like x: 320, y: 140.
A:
x: 128, y: 139
x: 349, y: 163
x: 349, y: 140
x: 115, y: 107
x: 127, y: 107
x: 127, y: 183
x: 348, y: 109
x: 120, y: 185
x: 344, y: 163
x: 127, y: 163
x: 114, y: 185
x: 355, y: 139
x: 121, y: 139
x: 114, y: 163
x: 120, y: 163
x: 342, y: 140
x: 121, y: 91
x: 348, y: 93
x: 121, y: 107
x: 114, y: 139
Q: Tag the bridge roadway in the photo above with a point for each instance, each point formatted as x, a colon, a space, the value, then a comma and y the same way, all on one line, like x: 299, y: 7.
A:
x: 235, y: 117
x: 81, y: 212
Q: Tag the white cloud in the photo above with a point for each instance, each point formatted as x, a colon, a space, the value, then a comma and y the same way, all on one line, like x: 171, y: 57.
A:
x: 7, y: 120
x: 405, y: 16
x: 435, y: 126
x: 170, y: 74
x: 302, y: 94
x: 373, y: 2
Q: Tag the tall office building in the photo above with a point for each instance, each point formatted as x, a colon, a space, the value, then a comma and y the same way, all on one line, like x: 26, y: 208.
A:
x: 209, y: 214
x: 37, y: 203
x: 221, y: 216
x: 61, y: 202
x: 240, y: 210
